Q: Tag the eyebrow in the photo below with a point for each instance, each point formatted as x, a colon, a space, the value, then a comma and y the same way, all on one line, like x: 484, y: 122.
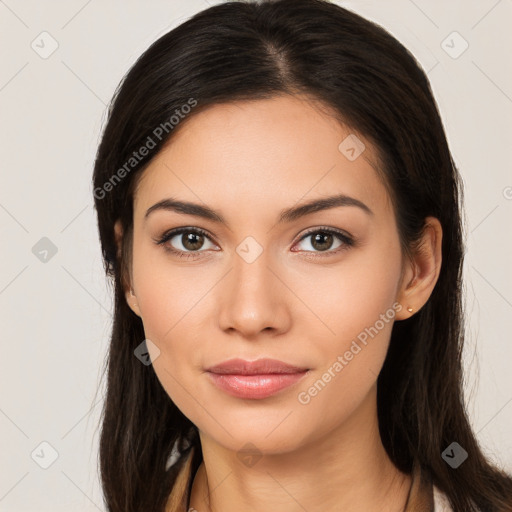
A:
x: 286, y: 215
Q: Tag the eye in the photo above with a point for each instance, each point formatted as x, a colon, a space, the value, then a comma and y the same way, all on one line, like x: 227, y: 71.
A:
x: 185, y: 241
x: 322, y: 240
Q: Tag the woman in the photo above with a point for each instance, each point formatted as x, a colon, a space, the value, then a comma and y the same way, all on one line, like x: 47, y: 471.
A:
x: 279, y: 212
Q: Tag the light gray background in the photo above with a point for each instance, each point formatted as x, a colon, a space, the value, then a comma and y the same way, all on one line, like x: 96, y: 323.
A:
x: 55, y: 315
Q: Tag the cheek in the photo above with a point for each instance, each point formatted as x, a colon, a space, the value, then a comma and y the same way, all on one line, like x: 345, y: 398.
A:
x: 357, y: 303
x: 166, y: 288
x: 170, y: 305
x: 167, y: 308
x: 352, y: 295
x: 338, y: 393
x: 165, y: 295
x: 175, y: 300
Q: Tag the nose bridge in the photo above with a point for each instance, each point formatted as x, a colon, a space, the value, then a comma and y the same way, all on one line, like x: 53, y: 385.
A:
x: 250, y: 267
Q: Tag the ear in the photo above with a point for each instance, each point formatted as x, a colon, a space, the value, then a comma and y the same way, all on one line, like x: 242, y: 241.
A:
x: 421, y: 270
x: 129, y: 294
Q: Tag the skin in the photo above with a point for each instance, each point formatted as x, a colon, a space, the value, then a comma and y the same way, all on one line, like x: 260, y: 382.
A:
x: 248, y: 161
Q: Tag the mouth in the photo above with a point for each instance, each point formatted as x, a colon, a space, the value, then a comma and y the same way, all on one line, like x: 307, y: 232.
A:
x: 258, y: 367
x: 255, y: 379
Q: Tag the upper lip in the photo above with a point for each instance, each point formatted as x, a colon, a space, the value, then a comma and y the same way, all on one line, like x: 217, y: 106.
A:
x: 259, y: 367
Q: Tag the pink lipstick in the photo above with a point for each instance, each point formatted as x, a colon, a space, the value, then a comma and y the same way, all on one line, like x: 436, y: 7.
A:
x: 255, y: 379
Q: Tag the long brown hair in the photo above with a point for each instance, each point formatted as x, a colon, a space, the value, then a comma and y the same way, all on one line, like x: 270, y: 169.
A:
x: 256, y: 50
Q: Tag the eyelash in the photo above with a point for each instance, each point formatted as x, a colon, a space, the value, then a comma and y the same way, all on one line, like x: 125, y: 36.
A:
x: 346, y: 240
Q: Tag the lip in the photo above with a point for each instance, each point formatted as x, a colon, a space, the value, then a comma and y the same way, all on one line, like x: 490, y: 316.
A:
x: 258, y: 367
x: 255, y: 379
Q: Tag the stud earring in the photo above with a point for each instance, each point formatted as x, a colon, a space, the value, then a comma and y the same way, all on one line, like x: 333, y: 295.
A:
x: 410, y: 309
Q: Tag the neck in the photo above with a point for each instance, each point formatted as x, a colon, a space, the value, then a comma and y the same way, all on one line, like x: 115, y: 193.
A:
x: 348, y: 469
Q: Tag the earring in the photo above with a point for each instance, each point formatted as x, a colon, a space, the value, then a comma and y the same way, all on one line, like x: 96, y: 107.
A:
x: 410, y: 309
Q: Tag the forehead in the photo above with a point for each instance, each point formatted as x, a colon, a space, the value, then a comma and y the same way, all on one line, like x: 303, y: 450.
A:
x: 266, y: 152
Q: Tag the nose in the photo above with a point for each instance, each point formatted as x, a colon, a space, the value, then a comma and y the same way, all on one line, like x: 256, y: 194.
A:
x: 253, y: 298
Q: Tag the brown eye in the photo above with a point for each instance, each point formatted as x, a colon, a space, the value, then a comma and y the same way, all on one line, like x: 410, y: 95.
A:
x: 186, y: 241
x: 324, y: 240
x: 192, y: 241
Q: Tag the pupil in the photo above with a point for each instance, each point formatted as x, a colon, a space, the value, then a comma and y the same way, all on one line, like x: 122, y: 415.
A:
x: 317, y: 240
x: 189, y: 242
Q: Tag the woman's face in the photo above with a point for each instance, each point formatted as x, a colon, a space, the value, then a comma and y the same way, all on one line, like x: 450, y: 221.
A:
x: 255, y: 283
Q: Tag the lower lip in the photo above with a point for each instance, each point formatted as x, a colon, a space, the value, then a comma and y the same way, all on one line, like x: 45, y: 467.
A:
x: 255, y: 386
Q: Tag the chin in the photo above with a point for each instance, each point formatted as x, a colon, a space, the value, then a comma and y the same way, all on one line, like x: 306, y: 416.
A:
x: 263, y: 435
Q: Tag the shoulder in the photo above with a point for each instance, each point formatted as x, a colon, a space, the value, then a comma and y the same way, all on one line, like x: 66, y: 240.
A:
x: 441, y: 503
